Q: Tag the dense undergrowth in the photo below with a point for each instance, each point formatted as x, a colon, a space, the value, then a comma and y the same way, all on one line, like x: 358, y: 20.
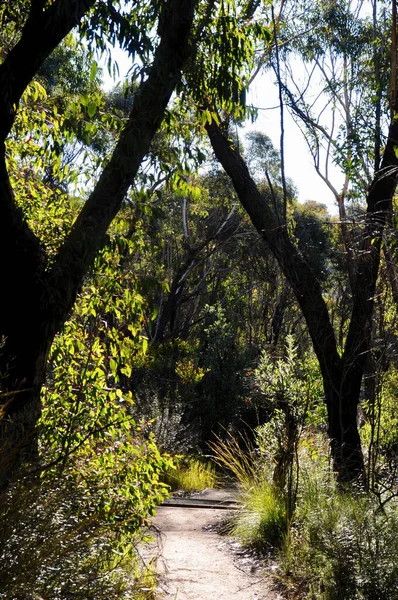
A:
x: 335, y: 545
x: 330, y: 542
x: 57, y: 542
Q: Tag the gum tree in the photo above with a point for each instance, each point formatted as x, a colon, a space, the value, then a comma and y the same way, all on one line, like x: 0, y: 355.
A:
x: 342, y: 368
x: 38, y: 294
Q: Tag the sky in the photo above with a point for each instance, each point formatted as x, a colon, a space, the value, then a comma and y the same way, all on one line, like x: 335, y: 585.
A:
x: 298, y: 161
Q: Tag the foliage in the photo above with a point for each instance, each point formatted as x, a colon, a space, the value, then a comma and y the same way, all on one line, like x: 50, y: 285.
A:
x: 78, y: 531
x: 313, y: 235
x: 224, y: 57
x: 341, y: 545
x: 209, y: 301
x: 261, y: 523
x: 220, y: 398
x: 289, y: 381
x: 60, y: 539
x: 85, y: 412
x: 163, y: 383
x: 292, y: 389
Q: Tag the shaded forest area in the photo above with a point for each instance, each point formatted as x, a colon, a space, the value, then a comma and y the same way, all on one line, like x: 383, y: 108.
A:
x: 164, y: 292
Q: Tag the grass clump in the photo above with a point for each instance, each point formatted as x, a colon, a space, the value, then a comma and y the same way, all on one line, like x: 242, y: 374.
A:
x: 191, y: 475
x: 261, y: 523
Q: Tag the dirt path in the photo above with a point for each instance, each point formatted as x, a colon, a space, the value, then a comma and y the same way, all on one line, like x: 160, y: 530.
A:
x: 198, y: 564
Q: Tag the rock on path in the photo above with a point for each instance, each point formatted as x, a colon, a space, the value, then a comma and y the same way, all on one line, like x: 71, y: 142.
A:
x: 198, y: 564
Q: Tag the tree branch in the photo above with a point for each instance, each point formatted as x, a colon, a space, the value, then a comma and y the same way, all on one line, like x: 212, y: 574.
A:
x: 88, y: 233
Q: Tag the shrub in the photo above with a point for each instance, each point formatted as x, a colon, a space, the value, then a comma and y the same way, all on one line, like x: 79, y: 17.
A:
x: 342, y: 546
x: 339, y: 545
x: 57, y: 543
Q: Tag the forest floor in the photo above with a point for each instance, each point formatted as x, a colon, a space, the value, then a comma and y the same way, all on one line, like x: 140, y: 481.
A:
x: 195, y: 562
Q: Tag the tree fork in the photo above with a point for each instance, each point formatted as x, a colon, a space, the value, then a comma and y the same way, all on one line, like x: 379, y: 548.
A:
x: 342, y: 376
x: 43, y: 299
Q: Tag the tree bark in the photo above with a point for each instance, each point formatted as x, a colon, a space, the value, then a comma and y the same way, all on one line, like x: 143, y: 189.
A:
x: 36, y: 301
x: 342, y: 375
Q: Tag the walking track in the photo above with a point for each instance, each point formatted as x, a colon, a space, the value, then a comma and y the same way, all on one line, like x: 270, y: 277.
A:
x: 196, y: 563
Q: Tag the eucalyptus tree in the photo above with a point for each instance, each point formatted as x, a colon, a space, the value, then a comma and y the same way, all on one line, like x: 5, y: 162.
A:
x: 342, y: 368
x: 39, y: 292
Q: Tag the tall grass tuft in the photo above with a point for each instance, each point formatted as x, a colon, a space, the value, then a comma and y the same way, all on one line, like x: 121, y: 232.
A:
x: 191, y: 475
x: 261, y: 524
x: 262, y: 521
x: 235, y: 462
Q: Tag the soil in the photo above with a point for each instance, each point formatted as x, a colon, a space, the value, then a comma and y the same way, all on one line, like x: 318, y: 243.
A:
x: 196, y: 563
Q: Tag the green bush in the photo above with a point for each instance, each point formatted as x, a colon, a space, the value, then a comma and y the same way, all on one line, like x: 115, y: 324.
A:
x: 341, y: 545
x: 57, y: 543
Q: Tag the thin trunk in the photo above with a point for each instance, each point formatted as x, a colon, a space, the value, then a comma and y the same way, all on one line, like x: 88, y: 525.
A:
x: 377, y: 53
x: 393, y: 84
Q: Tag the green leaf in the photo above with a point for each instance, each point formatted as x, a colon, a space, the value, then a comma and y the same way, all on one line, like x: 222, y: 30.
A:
x: 93, y: 71
x: 91, y: 109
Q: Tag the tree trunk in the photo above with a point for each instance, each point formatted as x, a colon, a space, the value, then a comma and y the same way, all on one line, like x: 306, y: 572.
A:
x: 36, y: 301
x: 342, y: 394
x: 342, y: 375
x: 22, y: 376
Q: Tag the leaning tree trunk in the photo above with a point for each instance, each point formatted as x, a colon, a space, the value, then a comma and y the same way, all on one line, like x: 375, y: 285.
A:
x: 35, y: 300
x: 342, y: 375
